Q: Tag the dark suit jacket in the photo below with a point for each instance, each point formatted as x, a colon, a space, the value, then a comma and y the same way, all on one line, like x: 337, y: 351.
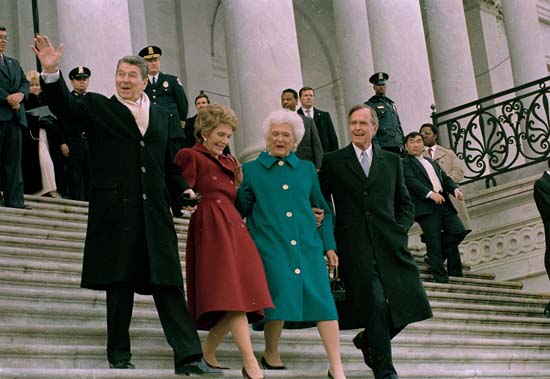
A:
x: 327, y: 134
x: 12, y: 80
x: 310, y: 148
x: 130, y: 237
x: 168, y: 92
x: 419, y: 185
x: 373, y: 216
x: 541, y: 192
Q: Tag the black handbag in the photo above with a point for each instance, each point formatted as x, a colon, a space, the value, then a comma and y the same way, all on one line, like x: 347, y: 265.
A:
x: 336, y: 285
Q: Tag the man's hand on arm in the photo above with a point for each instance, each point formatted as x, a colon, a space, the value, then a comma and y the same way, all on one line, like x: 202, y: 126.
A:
x: 458, y: 194
x: 437, y: 198
x: 319, y: 215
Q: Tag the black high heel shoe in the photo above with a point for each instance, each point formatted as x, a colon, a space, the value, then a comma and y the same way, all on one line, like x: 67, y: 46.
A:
x: 267, y: 366
x: 329, y: 374
x: 246, y: 376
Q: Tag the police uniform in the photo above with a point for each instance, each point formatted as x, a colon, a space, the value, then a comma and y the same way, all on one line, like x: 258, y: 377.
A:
x: 167, y: 91
x: 72, y: 134
x: 390, y: 134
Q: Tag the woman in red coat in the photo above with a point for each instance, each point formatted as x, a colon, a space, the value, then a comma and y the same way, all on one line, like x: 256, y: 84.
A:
x: 226, y: 283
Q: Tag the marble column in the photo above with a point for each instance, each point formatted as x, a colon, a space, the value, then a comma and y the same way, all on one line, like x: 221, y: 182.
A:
x: 451, y: 65
x: 354, y: 49
x: 399, y: 48
x: 96, y: 37
x: 263, y: 59
x: 527, y: 53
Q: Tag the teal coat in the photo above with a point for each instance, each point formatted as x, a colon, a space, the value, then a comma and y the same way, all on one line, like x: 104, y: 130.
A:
x: 276, y: 197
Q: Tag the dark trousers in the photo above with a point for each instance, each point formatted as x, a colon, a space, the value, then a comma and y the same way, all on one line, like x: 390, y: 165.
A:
x: 379, y: 331
x: 78, y: 178
x: 178, y: 326
x: 11, y: 177
x: 443, y: 232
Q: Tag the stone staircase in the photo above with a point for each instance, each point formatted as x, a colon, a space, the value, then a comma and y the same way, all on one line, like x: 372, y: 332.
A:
x: 50, y: 328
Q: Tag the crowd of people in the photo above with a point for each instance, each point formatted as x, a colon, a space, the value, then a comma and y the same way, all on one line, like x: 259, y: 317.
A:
x: 308, y: 205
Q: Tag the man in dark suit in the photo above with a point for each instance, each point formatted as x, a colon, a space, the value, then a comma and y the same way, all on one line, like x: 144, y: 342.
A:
x: 430, y: 188
x: 373, y: 210
x: 322, y: 119
x: 131, y: 243
x: 310, y: 148
x: 541, y: 192
x: 164, y: 89
x: 14, y: 89
x: 390, y: 134
x: 74, y: 146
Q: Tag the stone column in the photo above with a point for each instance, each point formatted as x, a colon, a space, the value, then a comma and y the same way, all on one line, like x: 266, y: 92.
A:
x: 354, y: 49
x: 263, y: 59
x: 527, y: 53
x: 95, y: 36
x: 399, y: 48
x: 451, y: 65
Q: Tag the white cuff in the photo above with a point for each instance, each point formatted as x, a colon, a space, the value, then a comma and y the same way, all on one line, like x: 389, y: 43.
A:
x: 50, y: 78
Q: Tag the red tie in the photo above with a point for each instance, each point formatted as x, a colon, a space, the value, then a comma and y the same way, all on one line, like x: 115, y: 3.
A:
x: 430, y: 151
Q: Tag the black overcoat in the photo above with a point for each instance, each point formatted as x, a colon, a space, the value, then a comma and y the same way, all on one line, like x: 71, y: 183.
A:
x: 372, y: 217
x: 541, y: 192
x: 130, y: 237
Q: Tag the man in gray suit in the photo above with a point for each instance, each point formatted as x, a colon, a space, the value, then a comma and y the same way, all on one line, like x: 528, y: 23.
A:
x: 310, y: 149
x: 14, y: 89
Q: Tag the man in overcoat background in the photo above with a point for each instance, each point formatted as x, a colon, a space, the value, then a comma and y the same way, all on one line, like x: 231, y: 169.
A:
x: 541, y: 192
x: 431, y: 188
x: 14, y: 89
x: 131, y: 243
x: 373, y: 213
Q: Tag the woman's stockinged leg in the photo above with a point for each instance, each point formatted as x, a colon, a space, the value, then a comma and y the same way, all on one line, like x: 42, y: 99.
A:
x: 213, y: 340
x: 272, y: 335
x: 331, y: 340
x: 240, y: 330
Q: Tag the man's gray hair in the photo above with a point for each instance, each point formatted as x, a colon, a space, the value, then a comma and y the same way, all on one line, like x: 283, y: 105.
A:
x: 285, y: 116
x: 135, y: 61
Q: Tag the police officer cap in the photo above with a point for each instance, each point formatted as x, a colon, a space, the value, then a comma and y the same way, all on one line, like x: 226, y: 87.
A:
x: 150, y: 52
x: 80, y: 72
x: 379, y: 78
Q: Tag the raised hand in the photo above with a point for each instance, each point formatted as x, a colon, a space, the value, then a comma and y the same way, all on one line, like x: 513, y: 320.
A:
x: 48, y: 55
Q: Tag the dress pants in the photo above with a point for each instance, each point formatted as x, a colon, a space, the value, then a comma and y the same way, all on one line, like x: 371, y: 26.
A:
x: 179, y: 328
x: 11, y: 176
x: 443, y: 232
x: 379, y: 331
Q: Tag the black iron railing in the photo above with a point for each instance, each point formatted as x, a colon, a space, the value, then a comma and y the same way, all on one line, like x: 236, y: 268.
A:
x: 499, y: 133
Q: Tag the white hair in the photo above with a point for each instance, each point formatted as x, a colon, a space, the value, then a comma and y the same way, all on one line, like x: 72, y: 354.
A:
x: 285, y: 116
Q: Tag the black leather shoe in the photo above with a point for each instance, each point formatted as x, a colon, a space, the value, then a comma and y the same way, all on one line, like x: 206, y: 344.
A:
x: 267, y: 366
x: 360, y: 344
x: 198, y: 368
x: 547, y: 310
x: 124, y: 364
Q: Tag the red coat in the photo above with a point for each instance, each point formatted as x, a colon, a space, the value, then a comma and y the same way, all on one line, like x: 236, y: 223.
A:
x: 224, y: 269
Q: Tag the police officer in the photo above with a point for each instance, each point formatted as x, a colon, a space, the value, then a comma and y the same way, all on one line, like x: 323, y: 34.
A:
x: 74, y: 143
x: 390, y: 135
x: 163, y: 89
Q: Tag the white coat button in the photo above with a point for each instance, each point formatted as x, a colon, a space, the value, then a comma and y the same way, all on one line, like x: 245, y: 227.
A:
x: 281, y: 163
x: 218, y: 201
x: 293, y: 242
x: 214, y: 178
x: 231, y: 182
x: 143, y: 169
x: 142, y: 143
x: 144, y: 197
x: 288, y: 214
x: 285, y: 187
x: 297, y: 271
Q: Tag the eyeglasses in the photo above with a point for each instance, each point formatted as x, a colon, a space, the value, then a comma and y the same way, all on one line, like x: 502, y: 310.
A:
x: 3, y: 38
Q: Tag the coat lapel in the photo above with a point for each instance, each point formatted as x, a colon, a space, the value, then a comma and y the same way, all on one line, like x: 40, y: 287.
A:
x: 126, y: 117
x: 353, y: 164
x: 378, y: 164
x: 420, y: 167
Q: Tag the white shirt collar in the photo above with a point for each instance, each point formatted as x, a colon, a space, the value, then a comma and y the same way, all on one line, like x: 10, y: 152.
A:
x: 154, y: 76
x: 359, y: 152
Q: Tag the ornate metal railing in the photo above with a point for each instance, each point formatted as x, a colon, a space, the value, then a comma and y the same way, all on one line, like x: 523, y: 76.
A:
x: 499, y: 133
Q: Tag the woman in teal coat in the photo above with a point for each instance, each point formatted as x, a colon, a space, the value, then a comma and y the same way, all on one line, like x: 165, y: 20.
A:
x: 276, y: 195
